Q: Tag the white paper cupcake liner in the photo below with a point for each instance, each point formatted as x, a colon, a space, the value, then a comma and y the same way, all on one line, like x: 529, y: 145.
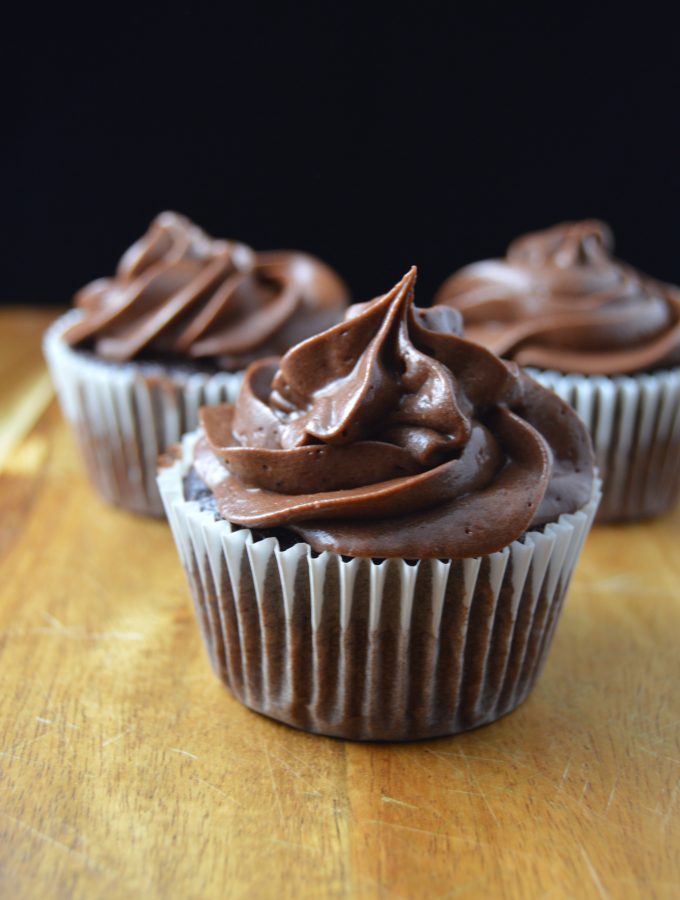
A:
x: 372, y: 650
x: 124, y: 415
x: 634, y: 422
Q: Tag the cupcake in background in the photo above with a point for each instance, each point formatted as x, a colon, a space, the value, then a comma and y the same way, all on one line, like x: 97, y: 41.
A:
x: 172, y: 330
x: 379, y: 533
x: 601, y: 334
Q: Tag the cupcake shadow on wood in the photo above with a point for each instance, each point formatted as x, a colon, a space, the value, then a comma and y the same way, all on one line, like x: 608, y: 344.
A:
x: 379, y: 534
x: 603, y: 336
x: 172, y: 330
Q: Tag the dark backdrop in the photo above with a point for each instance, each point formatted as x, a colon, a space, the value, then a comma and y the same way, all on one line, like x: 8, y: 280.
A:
x: 430, y: 135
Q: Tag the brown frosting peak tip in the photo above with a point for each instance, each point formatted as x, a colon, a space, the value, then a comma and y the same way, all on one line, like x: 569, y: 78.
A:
x: 180, y: 293
x: 172, y: 237
x: 570, y: 244
x: 391, y: 435
x: 561, y: 300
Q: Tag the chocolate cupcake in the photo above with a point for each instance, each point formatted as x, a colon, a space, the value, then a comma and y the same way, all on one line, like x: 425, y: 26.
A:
x: 602, y: 335
x: 379, y: 533
x: 174, y: 329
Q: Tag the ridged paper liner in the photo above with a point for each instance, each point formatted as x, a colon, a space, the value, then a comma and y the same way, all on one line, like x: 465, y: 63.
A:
x: 634, y: 422
x: 123, y: 415
x: 366, y: 650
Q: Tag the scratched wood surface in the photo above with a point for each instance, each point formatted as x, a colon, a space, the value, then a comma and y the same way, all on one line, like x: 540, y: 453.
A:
x: 126, y: 770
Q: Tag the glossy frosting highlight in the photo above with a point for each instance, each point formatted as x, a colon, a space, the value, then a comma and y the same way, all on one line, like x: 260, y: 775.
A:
x: 560, y: 300
x: 391, y: 435
x: 180, y: 293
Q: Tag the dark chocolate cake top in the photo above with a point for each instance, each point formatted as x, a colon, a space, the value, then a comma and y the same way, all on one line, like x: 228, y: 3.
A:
x: 560, y: 300
x: 178, y: 293
x: 390, y: 435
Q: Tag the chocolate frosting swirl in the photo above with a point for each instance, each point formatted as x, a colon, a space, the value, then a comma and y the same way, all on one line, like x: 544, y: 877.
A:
x: 390, y: 435
x: 560, y: 300
x: 179, y: 293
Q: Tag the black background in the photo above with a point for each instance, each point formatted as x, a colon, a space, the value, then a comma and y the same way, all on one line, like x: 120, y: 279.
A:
x: 428, y: 134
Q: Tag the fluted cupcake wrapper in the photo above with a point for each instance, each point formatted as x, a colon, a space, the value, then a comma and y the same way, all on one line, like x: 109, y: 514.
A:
x: 370, y: 650
x: 634, y: 421
x: 123, y: 415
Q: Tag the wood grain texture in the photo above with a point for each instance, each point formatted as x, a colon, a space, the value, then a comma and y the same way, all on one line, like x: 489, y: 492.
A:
x: 126, y: 770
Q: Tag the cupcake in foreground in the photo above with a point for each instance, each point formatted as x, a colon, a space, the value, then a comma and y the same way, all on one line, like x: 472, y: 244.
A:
x: 604, y: 336
x: 379, y: 533
x: 173, y: 329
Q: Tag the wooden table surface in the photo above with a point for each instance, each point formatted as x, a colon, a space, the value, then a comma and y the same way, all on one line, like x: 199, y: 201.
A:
x: 126, y: 770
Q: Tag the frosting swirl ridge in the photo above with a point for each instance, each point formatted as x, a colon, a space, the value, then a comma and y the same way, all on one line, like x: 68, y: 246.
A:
x: 179, y: 293
x: 560, y: 300
x: 391, y: 435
